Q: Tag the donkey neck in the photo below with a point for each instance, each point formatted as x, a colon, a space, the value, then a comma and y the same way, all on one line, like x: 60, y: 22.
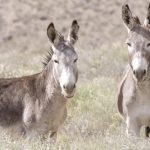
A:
x: 50, y: 84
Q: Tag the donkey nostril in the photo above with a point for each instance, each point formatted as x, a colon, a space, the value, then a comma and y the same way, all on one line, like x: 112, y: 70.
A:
x: 74, y: 86
x: 64, y: 86
x: 144, y: 72
x: 134, y: 71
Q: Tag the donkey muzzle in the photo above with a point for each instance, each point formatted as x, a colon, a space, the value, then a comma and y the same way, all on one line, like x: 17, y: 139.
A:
x: 139, y: 74
x: 69, y: 88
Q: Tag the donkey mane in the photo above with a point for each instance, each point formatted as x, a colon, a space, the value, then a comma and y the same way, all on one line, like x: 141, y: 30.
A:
x: 48, y: 57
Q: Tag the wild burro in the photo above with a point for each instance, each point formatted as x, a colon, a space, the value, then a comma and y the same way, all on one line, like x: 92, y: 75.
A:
x: 36, y: 104
x: 134, y: 91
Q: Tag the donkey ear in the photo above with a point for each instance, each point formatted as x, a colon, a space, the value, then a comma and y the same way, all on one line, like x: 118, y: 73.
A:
x: 147, y: 19
x: 127, y: 17
x: 137, y: 20
x: 73, y: 37
x: 51, y: 32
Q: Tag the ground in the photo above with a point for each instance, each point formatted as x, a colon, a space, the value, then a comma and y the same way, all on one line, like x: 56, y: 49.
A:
x: 93, y: 121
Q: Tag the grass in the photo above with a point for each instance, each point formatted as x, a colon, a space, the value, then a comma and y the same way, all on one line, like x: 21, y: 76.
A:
x: 93, y: 121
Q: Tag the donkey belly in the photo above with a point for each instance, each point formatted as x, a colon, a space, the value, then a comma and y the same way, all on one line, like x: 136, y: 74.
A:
x: 140, y: 110
x: 11, y: 121
x: 9, y: 116
x: 51, y: 121
x: 143, y: 114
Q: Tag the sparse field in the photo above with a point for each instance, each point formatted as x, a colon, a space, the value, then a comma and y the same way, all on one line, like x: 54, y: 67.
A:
x: 93, y: 121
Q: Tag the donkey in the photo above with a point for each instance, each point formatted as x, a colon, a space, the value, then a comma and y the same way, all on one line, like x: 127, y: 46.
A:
x: 36, y: 104
x: 134, y: 90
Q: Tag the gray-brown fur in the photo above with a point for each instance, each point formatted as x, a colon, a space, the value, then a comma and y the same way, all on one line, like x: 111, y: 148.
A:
x: 35, y: 104
x: 147, y: 20
x: 134, y: 93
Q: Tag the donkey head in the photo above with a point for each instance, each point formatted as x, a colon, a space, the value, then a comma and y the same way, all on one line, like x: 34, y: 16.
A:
x: 64, y: 58
x: 138, y: 42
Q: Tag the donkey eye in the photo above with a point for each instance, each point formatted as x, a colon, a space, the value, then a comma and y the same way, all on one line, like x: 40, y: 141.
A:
x: 148, y: 44
x: 75, y: 60
x: 56, y: 61
x: 129, y: 44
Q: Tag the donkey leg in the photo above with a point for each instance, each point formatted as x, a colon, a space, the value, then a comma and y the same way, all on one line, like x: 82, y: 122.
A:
x: 133, y: 128
x: 147, y: 131
x: 29, y: 111
x: 53, y: 136
x: 28, y: 116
